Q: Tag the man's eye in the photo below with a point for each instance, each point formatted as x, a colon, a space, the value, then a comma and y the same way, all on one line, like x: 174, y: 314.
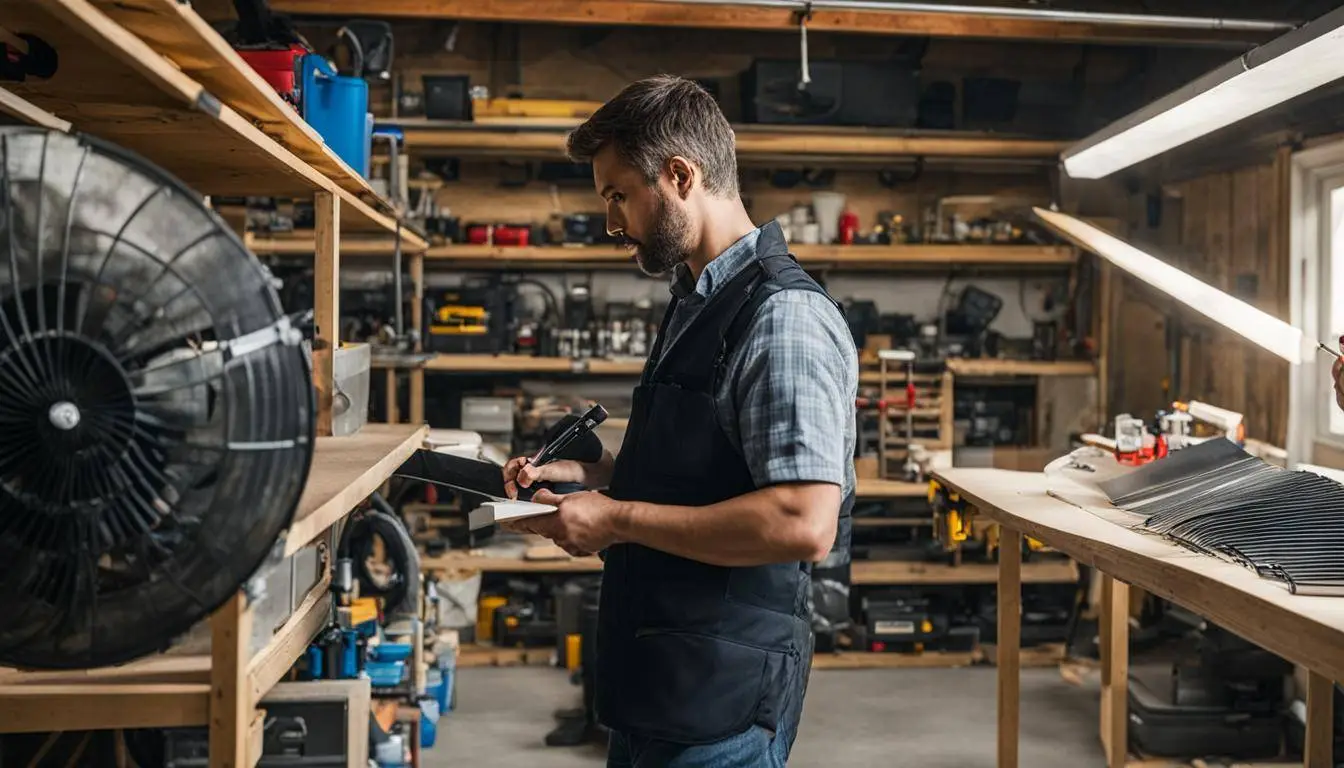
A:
x: 617, y: 198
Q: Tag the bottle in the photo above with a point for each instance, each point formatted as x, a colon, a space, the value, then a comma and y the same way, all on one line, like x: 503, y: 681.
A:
x: 849, y: 227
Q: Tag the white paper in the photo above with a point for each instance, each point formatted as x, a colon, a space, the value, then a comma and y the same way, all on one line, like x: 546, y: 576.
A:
x: 493, y: 512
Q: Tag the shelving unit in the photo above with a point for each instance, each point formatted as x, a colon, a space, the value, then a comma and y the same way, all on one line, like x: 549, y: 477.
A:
x: 171, y: 690
x: 988, y: 367
x: 862, y: 573
x: 525, y: 364
x: 755, y: 143
x: 839, y: 257
x: 151, y: 76
x: 118, y: 84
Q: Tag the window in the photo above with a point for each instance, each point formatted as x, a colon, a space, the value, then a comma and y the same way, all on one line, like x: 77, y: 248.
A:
x: 1316, y: 423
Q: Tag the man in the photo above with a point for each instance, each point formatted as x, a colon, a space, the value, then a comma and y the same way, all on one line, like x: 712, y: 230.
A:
x: 736, y: 472
x: 1337, y: 372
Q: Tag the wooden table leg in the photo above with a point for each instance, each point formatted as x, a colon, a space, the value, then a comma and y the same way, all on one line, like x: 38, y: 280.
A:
x: 1114, y: 636
x: 1009, y: 644
x: 1320, y: 746
x: 390, y: 381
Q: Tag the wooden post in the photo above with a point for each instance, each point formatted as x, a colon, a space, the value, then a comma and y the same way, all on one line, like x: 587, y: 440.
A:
x: 230, y: 710
x: 1114, y: 631
x: 417, y: 375
x: 1009, y: 643
x: 1105, y: 307
x: 393, y: 417
x: 417, y: 395
x: 1320, y: 747
x: 326, y: 303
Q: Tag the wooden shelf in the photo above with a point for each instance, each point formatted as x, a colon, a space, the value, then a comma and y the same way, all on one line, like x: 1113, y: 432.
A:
x: 872, y: 20
x: 450, y: 363
x: 78, y: 706
x: 899, y: 572
x: 863, y: 572
x: 459, y: 560
x: 870, y: 660
x: 849, y: 257
x: 345, y: 471
x: 136, y: 87
x: 303, y: 246
x: 994, y: 367
x: 473, y: 655
x: 754, y: 142
x: 875, y: 488
x: 891, y: 522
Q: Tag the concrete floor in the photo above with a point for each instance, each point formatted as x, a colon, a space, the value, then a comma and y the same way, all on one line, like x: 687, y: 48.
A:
x: 915, y: 718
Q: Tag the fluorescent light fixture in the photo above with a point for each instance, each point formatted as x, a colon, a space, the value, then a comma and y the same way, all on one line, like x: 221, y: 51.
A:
x: 1288, y: 66
x: 1261, y: 328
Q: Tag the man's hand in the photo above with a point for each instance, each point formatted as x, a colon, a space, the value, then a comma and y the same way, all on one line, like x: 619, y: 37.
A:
x: 518, y: 473
x: 1337, y: 370
x: 584, y: 523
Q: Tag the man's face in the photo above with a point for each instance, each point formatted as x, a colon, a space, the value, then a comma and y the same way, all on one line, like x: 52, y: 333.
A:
x: 652, y: 221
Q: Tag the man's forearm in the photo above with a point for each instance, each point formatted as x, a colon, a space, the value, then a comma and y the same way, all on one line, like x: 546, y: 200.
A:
x: 773, y: 525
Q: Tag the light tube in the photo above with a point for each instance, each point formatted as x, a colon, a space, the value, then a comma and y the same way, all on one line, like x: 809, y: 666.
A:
x: 1288, y: 66
x: 1261, y: 328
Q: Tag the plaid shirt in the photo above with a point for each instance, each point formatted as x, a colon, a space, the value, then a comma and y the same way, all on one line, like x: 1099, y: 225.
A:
x: 787, y: 398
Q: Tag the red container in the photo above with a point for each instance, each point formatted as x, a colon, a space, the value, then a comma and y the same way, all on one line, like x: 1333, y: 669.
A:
x: 849, y: 227
x: 498, y: 234
x: 276, y: 67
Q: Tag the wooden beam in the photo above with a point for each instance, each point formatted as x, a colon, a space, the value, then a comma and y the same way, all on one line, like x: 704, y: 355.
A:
x: 1320, y: 744
x: 81, y: 706
x: 230, y: 708
x: 1009, y: 644
x: 736, y: 16
x: 326, y: 303
x: 390, y: 404
x: 16, y: 106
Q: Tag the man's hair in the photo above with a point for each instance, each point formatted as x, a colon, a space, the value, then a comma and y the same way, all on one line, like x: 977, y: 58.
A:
x: 658, y: 117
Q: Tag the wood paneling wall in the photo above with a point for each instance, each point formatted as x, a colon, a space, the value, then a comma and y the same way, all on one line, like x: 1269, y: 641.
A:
x: 1231, y: 230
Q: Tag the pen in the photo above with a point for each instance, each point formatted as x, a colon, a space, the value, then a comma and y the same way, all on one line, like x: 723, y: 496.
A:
x: 1328, y: 350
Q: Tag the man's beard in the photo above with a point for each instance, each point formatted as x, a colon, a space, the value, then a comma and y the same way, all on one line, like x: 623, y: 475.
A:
x: 668, y: 242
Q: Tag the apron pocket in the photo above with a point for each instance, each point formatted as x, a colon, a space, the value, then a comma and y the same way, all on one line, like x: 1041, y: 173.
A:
x: 693, y: 688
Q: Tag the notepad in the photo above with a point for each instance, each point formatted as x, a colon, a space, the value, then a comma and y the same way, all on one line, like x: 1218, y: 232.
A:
x: 493, y: 512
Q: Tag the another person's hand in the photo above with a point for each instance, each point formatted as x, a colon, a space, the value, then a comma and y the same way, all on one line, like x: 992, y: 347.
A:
x: 583, y: 524
x: 518, y: 473
x: 1337, y: 370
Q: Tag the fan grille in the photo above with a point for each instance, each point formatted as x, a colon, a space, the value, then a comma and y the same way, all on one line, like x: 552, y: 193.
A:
x: 145, y: 472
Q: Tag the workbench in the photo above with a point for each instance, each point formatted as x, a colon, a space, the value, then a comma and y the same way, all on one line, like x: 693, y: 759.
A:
x: 1308, y: 631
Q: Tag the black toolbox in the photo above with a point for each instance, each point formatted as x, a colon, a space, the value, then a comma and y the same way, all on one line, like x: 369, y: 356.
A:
x: 1160, y: 728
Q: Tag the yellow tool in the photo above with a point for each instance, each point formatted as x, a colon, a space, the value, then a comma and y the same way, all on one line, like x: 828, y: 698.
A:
x: 951, y: 516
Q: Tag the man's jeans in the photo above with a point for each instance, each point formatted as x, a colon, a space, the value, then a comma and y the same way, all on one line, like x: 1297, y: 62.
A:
x: 754, y: 748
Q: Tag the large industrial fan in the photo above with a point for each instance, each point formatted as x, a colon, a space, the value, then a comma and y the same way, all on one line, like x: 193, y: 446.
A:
x: 156, y: 406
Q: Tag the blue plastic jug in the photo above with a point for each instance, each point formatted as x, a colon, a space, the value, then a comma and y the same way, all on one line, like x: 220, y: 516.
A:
x: 338, y: 109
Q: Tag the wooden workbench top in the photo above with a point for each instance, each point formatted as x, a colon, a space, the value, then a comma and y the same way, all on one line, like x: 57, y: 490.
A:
x: 1306, y: 630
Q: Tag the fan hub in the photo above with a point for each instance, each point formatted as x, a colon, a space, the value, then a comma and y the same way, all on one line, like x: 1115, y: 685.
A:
x: 79, y: 417
x: 63, y: 414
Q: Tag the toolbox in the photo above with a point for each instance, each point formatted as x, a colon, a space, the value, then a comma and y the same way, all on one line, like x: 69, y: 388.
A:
x: 1161, y: 728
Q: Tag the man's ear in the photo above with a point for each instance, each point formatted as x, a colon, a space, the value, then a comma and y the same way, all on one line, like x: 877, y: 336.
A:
x: 682, y: 175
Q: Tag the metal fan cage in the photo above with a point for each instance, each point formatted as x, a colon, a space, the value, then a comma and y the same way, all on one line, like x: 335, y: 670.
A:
x: 156, y: 407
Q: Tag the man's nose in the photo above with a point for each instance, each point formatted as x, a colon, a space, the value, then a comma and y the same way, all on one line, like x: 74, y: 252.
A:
x: 615, y: 225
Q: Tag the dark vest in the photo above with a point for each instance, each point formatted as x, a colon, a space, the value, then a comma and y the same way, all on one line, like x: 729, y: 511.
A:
x: 689, y: 652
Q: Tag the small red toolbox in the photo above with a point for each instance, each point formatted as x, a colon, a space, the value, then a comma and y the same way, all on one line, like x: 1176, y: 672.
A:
x: 277, y: 67
x: 499, y: 234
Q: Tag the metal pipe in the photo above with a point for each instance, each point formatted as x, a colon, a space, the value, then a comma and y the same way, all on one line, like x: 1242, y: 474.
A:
x: 1033, y: 14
